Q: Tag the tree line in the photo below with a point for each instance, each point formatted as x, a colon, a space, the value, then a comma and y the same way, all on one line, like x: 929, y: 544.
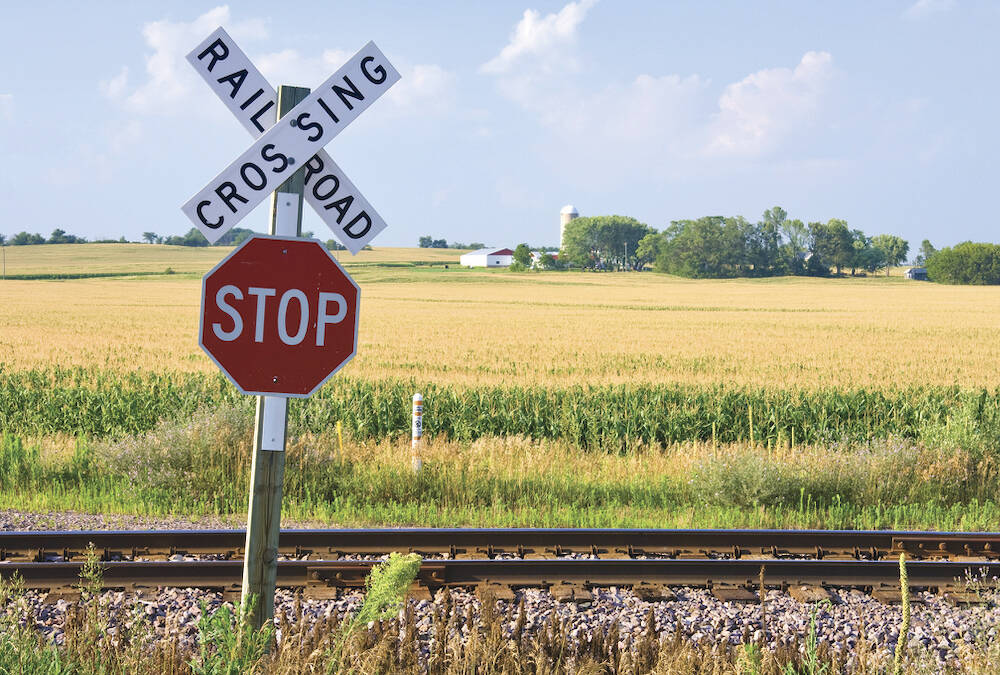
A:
x: 721, y: 247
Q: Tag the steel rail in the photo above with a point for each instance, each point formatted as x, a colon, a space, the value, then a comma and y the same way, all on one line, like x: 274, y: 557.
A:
x: 522, y: 543
x: 226, y: 575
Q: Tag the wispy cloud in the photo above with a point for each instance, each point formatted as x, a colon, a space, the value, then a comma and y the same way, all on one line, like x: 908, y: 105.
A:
x: 169, y: 80
x: 758, y: 112
x: 924, y: 8
x: 541, y: 38
x: 654, y: 120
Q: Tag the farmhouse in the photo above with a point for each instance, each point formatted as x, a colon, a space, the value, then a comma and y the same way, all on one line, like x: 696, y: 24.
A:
x: 488, y: 257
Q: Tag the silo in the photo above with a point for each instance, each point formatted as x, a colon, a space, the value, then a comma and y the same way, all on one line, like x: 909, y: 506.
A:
x: 567, y: 214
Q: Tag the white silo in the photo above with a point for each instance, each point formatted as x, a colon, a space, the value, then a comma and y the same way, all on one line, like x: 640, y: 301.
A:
x: 567, y: 214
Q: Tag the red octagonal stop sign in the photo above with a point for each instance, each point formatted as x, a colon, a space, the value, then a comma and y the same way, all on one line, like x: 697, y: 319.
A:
x: 279, y: 316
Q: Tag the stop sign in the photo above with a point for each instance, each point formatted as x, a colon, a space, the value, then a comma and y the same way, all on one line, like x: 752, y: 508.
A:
x: 279, y: 316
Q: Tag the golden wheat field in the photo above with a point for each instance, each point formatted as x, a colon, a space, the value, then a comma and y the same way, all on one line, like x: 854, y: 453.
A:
x: 557, y: 328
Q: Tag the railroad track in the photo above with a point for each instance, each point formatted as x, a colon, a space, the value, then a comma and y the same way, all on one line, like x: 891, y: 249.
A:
x: 519, y: 543
x: 570, y: 563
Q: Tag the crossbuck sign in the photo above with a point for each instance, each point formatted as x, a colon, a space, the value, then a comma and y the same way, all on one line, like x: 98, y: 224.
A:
x: 295, y: 141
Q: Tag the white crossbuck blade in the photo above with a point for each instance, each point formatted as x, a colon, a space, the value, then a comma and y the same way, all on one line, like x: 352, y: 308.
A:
x: 282, y: 148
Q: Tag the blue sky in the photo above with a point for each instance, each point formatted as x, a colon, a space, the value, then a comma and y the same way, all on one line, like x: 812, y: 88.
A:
x: 884, y: 114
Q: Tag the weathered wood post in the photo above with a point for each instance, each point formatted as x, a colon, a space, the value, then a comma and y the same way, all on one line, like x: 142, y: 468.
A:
x: 267, y: 473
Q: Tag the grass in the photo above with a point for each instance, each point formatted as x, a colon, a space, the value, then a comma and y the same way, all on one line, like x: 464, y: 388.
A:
x: 91, y: 259
x: 199, y: 466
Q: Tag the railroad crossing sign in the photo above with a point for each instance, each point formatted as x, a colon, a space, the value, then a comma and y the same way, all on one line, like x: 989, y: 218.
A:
x: 279, y: 316
x: 296, y: 141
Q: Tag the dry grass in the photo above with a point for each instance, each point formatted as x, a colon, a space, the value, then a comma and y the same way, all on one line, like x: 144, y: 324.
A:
x: 145, y: 258
x: 462, y: 327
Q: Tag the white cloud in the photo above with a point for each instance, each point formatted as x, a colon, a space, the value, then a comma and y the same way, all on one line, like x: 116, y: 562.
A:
x: 541, y: 39
x: 423, y: 88
x: 125, y: 136
x: 924, y: 8
x: 652, y: 122
x: 758, y: 112
x: 290, y: 66
x: 6, y: 106
x: 115, y: 87
x: 171, y: 81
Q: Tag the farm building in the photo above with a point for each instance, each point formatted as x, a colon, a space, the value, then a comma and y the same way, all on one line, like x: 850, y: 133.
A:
x: 918, y: 273
x: 488, y: 257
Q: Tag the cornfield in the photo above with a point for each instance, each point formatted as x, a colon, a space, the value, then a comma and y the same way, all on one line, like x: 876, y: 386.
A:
x: 100, y: 403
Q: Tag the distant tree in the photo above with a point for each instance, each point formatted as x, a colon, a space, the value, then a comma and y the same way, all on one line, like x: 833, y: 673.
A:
x: 425, y: 242
x: 894, y: 247
x: 796, y: 246
x: 648, y: 249
x: 233, y: 237
x: 603, y: 242
x: 26, y: 239
x: 475, y: 246
x: 926, y: 251
x: 549, y: 262
x: 871, y: 259
x: 439, y: 243
x: 832, y: 242
x: 966, y: 263
x: 192, y: 238
x: 150, y: 237
x: 60, y: 237
x: 334, y: 245
x: 522, y: 254
x: 3, y: 240
x: 709, y: 247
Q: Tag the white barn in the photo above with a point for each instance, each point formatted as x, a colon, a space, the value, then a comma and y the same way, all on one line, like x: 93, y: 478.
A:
x: 488, y: 257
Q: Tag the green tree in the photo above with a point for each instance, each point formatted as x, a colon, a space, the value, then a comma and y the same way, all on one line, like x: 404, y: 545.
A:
x: 895, y: 249
x: 26, y: 239
x: 233, y: 237
x: 926, y: 251
x: 522, y: 255
x: 832, y: 242
x: 648, y: 249
x: 966, y: 263
x: 698, y: 248
x: 796, y: 246
x: 549, y: 262
x: 60, y: 237
x: 192, y: 238
x: 3, y: 240
x: 150, y: 237
x: 425, y: 241
x: 603, y: 242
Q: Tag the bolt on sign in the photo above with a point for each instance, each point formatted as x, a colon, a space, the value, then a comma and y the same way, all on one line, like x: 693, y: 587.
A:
x: 296, y: 141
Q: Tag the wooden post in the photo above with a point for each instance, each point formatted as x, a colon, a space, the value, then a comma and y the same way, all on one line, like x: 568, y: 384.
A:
x: 260, y: 562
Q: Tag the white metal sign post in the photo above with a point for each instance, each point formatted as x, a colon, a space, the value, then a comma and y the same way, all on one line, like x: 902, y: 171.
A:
x: 286, y: 159
x: 283, y: 148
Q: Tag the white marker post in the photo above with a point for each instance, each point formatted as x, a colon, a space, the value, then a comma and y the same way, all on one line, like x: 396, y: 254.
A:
x: 418, y: 432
